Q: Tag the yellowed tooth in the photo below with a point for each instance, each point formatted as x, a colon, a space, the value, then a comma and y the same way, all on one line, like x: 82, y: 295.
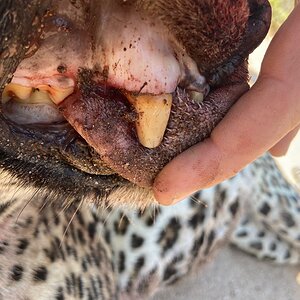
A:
x: 196, y: 96
x: 17, y: 91
x: 34, y: 95
x: 57, y: 95
x: 40, y: 97
x: 153, y: 116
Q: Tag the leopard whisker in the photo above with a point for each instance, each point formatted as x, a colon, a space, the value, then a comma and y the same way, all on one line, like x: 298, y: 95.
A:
x: 46, y: 201
x: 107, y: 218
x: 27, y: 203
x: 198, y: 201
x: 72, y: 218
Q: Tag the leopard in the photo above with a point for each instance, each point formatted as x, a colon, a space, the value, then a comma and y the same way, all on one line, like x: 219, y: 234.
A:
x: 80, y: 222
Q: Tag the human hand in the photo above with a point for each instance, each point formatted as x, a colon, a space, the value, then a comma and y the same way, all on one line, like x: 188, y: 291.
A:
x: 265, y: 118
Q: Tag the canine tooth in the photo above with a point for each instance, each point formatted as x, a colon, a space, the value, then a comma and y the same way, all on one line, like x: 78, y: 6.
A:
x: 19, y: 91
x: 153, y: 116
x: 57, y: 95
x: 196, y: 96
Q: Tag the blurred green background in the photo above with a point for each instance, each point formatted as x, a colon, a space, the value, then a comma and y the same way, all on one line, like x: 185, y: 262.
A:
x: 281, y: 9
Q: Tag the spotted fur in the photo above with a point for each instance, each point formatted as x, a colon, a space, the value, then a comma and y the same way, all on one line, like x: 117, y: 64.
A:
x: 84, y: 252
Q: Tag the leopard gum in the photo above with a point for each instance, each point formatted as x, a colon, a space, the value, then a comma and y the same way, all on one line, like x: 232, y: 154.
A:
x: 137, y: 52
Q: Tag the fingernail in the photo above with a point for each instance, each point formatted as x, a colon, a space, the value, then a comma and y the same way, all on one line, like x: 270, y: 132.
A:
x: 166, y: 201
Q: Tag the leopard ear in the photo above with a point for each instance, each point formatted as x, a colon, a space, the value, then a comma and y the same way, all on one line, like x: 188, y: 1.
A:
x: 20, y: 22
x: 214, y: 32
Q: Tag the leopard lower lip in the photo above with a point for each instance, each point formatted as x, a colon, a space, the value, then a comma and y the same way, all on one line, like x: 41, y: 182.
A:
x: 105, y: 127
x: 38, y: 105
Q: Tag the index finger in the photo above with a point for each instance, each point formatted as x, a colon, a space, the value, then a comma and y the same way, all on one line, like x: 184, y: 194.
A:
x: 261, y: 118
x: 238, y: 140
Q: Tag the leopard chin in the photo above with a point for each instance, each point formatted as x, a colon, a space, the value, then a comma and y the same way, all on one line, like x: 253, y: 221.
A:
x: 107, y: 93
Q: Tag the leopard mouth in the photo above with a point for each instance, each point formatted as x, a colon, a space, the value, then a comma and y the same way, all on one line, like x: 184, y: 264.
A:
x: 133, y: 136
x: 96, y: 123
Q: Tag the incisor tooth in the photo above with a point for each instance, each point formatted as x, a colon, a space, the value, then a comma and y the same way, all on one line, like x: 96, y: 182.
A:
x: 153, y: 116
x: 40, y: 97
x: 57, y: 95
x: 196, y: 96
x: 16, y: 90
x: 39, y: 94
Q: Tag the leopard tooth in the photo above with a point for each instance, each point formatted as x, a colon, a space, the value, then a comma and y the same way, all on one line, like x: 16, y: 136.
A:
x: 30, y: 94
x: 57, y: 95
x: 40, y: 97
x: 16, y: 90
x: 196, y: 96
x: 153, y: 116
